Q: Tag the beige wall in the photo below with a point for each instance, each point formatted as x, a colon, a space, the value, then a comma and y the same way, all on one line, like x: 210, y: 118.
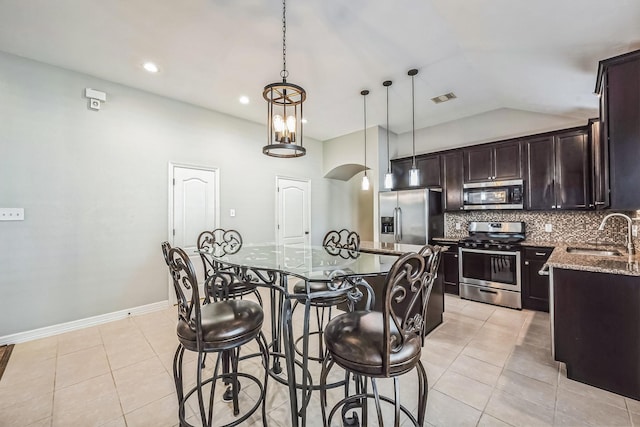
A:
x: 94, y: 186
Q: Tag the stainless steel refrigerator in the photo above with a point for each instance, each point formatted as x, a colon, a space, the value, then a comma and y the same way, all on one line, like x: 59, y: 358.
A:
x: 411, y: 216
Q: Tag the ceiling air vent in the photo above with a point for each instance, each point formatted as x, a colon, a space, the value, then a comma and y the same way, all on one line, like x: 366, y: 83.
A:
x: 444, y: 98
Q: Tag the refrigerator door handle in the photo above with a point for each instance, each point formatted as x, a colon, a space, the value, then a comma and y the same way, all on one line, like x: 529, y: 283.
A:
x: 399, y: 225
x: 395, y: 225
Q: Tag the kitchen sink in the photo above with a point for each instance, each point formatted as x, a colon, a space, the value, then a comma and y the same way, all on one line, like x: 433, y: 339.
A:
x: 593, y: 251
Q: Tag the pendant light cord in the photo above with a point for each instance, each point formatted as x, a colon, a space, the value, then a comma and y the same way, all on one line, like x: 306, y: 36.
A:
x: 388, y: 155
x: 364, y: 99
x: 413, y: 120
x: 284, y: 74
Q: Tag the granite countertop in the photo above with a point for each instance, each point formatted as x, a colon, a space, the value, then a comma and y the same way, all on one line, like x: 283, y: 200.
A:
x: 447, y: 239
x: 382, y: 248
x: 619, y: 264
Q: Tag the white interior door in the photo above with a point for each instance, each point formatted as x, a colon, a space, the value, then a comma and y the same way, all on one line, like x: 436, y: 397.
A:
x: 193, y: 208
x: 294, y: 211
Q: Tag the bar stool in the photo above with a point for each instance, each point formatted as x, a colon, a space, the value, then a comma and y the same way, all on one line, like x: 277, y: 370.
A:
x: 387, y: 344
x: 215, y: 327
x: 342, y: 243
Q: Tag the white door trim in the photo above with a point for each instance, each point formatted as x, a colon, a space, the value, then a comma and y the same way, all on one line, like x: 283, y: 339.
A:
x: 170, y: 189
x: 277, y: 207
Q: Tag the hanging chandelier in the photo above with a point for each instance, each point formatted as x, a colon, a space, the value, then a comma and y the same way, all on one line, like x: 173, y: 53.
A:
x: 284, y: 109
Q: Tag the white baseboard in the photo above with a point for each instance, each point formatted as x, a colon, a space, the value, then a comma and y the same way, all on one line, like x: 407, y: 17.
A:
x: 61, y: 328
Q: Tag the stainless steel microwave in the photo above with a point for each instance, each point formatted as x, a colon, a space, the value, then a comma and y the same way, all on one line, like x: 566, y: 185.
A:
x: 493, y: 195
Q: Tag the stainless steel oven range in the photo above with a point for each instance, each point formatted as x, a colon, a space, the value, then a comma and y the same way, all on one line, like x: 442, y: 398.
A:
x: 489, y: 263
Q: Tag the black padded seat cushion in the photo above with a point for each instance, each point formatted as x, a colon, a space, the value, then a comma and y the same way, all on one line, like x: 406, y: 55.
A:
x: 300, y: 288
x: 225, y: 325
x: 355, y: 343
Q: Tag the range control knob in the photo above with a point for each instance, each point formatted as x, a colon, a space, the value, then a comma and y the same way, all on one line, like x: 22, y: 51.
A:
x: 486, y: 245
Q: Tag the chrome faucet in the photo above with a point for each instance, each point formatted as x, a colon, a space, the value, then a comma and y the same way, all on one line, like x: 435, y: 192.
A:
x: 630, y: 249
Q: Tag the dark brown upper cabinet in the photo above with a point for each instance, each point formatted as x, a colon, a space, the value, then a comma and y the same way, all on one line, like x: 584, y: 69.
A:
x: 452, y: 172
x: 558, y: 174
x: 499, y: 161
x: 618, y: 84
x: 428, y: 165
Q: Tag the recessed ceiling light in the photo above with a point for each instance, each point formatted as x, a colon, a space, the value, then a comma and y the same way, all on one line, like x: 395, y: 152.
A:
x: 150, y: 67
x: 444, y: 98
x: 244, y: 100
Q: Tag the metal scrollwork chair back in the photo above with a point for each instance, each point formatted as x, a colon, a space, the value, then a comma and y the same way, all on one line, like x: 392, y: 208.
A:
x: 219, y: 242
x: 344, y: 243
x: 222, y: 242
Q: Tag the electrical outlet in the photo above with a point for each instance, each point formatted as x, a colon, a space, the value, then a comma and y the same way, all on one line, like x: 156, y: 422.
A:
x: 634, y: 230
x: 11, y: 214
x: 548, y: 228
x: 458, y: 226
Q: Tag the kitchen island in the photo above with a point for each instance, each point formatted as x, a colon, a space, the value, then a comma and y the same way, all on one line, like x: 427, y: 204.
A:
x: 390, y: 252
x: 595, y: 316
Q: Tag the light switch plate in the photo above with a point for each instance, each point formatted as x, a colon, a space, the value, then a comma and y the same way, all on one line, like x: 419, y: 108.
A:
x: 634, y: 230
x: 11, y: 214
x: 458, y: 226
x: 232, y: 212
x: 548, y: 228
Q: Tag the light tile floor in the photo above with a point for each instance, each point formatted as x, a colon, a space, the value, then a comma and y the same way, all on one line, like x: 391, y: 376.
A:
x: 487, y: 366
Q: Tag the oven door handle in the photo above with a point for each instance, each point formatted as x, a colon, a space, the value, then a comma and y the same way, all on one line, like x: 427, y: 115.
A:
x: 486, y: 291
x: 485, y: 251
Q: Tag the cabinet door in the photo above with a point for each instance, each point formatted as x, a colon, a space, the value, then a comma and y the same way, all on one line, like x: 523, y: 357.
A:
x: 539, y: 192
x: 535, y: 288
x: 450, y: 270
x: 429, y: 167
x: 452, y: 170
x: 507, y: 160
x: 623, y: 120
x: 478, y: 164
x: 572, y: 166
x: 400, y: 170
x: 600, y: 161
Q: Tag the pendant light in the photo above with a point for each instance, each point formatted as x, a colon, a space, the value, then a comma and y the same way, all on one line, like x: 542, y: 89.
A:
x: 365, y: 178
x: 414, y: 173
x: 284, y: 109
x: 388, y: 177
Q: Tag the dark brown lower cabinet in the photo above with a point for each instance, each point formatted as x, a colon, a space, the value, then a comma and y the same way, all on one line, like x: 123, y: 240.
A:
x: 535, y: 288
x: 449, y: 270
x: 435, y: 307
x: 596, y: 329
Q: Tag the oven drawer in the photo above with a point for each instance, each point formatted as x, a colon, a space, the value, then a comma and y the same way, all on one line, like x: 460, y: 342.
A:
x: 491, y: 295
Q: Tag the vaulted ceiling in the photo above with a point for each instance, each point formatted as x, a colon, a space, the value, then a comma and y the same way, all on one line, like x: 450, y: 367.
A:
x: 539, y: 56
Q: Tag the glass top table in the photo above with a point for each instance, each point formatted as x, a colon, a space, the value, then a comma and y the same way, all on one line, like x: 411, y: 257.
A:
x: 308, y: 262
x: 273, y: 264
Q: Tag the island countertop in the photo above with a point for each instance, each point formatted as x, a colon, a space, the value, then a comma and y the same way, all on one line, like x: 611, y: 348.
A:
x: 620, y: 264
x: 382, y: 248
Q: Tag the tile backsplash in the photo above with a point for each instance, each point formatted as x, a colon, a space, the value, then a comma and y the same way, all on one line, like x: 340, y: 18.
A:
x: 567, y: 226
